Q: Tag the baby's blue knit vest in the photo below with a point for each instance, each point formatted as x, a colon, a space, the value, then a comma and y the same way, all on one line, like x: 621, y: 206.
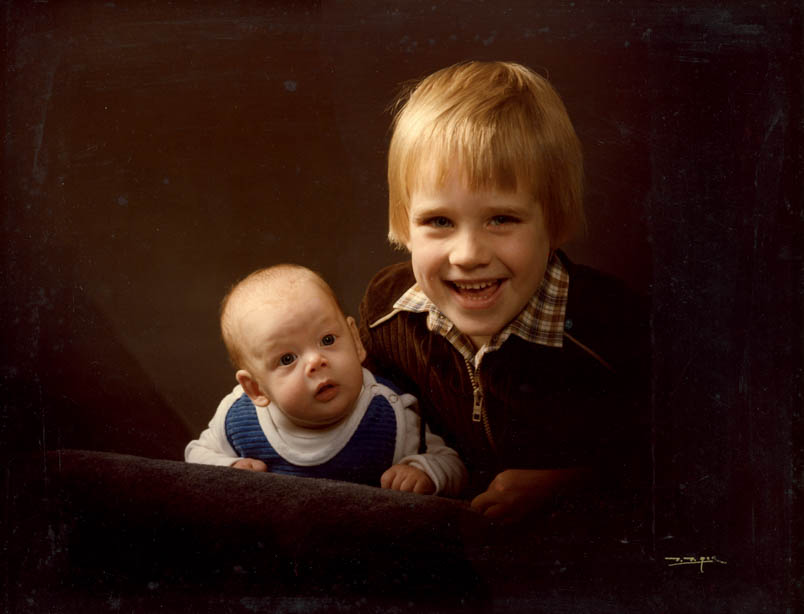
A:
x: 364, y: 458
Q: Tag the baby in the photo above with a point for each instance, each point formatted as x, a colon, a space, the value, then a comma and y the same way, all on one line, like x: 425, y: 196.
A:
x: 304, y: 404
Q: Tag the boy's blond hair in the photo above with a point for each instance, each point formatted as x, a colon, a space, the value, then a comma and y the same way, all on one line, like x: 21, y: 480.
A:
x: 499, y: 124
x: 267, y: 284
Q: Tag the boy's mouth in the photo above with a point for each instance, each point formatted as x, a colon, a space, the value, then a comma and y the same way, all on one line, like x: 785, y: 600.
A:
x: 326, y: 391
x: 478, y: 291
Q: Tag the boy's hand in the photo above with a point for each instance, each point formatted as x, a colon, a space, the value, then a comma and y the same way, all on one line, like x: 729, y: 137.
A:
x: 407, y: 478
x: 250, y: 464
x: 514, y: 493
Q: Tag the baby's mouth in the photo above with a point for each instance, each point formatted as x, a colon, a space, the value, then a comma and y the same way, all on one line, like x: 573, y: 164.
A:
x: 326, y: 391
x: 476, y: 290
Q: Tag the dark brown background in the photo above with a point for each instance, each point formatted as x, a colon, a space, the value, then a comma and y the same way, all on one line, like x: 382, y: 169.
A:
x: 154, y: 153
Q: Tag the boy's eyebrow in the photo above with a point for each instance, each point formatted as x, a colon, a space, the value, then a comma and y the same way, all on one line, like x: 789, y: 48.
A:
x: 429, y: 210
x: 435, y: 209
x: 512, y: 210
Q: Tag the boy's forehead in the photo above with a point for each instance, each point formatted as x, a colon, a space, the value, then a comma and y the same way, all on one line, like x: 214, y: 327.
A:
x: 434, y: 181
x: 433, y: 173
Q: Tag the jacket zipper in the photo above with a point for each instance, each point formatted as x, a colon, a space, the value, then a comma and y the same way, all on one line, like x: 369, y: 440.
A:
x: 479, y: 413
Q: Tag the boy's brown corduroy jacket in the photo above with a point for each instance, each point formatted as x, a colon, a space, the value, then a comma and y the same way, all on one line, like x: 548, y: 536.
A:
x: 584, y: 404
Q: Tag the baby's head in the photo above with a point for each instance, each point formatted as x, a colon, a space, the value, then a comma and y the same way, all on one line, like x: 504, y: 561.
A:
x: 292, y: 345
x: 485, y: 181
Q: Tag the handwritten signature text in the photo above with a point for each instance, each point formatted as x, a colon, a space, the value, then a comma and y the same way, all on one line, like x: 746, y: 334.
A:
x: 673, y: 561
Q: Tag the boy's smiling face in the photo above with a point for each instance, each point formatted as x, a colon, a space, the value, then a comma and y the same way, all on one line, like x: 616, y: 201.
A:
x: 478, y: 255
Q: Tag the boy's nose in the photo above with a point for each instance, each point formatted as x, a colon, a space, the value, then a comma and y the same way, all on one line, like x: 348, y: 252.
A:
x: 469, y: 251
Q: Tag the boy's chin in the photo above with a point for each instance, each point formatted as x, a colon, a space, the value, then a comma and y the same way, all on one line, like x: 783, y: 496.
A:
x: 477, y: 327
x: 483, y: 322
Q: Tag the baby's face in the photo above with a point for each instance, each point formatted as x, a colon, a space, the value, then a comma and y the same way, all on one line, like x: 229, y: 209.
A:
x: 479, y: 256
x: 304, y: 354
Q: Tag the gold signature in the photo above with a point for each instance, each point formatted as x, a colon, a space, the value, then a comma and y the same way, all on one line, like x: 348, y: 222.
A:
x: 674, y: 561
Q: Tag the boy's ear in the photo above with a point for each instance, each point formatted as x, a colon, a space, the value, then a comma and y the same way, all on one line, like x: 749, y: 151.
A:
x: 361, y: 351
x: 252, y: 388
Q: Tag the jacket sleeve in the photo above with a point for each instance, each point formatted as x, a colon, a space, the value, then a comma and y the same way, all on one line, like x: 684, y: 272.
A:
x: 212, y: 447
x: 384, y: 346
x: 440, y: 462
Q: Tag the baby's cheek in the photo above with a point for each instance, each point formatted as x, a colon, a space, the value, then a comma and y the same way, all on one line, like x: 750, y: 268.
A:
x: 296, y: 396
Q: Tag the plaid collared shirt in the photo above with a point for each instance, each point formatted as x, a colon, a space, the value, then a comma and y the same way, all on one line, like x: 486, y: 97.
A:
x: 541, y: 321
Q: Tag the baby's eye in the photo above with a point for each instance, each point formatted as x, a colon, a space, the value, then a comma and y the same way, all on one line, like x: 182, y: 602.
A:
x: 287, y: 359
x: 439, y: 222
x: 327, y: 339
x: 499, y: 220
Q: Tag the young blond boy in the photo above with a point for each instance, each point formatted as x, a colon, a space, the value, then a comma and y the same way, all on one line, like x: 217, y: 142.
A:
x: 304, y: 405
x: 522, y: 360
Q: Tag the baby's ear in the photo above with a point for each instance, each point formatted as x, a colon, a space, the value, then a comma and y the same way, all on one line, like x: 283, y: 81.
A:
x: 361, y: 351
x: 252, y: 388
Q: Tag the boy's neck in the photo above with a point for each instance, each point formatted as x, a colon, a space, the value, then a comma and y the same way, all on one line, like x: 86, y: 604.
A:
x: 479, y: 342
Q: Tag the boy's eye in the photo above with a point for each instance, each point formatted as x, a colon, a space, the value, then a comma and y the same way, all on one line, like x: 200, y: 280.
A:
x: 327, y: 339
x: 499, y: 220
x: 287, y: 359
x: 439, y: 222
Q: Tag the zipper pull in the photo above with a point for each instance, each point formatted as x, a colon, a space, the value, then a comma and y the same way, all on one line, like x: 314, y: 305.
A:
x: 477, y: 406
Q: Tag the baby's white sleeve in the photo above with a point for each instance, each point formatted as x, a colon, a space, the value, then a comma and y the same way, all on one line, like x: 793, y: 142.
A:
x: 212, y: 447
x: 441, y: 463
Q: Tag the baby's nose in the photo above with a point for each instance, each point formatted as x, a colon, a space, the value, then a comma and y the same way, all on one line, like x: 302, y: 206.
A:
x: 315, y: 362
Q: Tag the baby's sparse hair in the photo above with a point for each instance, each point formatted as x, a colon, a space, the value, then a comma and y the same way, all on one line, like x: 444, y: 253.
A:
x: 500, y: 125
x: 261, y: 284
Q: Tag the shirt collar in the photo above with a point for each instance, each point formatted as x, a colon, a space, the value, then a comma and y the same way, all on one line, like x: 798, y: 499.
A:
x: 541, y: 321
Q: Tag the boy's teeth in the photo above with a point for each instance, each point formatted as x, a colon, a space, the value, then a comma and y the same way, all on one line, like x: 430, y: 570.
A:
x: 480, y: 285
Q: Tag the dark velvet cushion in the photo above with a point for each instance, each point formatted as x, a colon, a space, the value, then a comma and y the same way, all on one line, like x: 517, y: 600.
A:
x: 90, y: 531
x: 90, y: 524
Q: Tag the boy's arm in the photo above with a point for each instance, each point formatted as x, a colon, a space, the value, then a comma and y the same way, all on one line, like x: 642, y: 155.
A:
x: 383, y: 344
x: 616, y: 481
x: 212, y: 447
x: 441, y: 463
x: 387, y: 352
x: 515, y: 493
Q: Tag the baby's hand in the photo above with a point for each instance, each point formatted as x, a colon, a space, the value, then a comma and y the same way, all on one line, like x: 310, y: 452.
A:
x: 250, y: 464
x: 514, y: 493
x: 407, y: 478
